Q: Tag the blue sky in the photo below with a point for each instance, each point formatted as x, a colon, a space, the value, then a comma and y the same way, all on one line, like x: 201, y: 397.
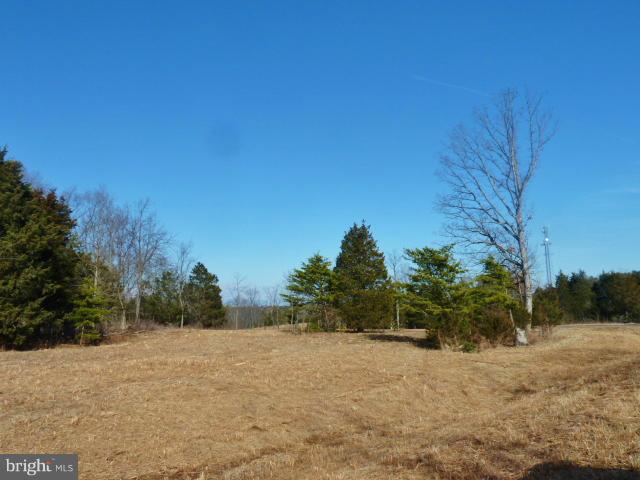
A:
x: 262, y: 130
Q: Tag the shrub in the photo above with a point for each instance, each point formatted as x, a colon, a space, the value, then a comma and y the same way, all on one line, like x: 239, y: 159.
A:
x: 547, y: 311
x: 495, y: 324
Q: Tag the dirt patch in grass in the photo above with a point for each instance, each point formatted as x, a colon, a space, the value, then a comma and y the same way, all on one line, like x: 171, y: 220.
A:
x: 266, y: 404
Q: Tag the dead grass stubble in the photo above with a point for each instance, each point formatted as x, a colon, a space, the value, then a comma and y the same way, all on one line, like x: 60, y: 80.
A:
x: 266, y: 404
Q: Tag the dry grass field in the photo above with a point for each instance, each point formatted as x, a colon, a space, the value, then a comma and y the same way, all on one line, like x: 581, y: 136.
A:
x: 269, y: 404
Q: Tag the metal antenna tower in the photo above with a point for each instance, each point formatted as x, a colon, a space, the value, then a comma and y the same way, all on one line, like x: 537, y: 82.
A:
x: 547, y: 255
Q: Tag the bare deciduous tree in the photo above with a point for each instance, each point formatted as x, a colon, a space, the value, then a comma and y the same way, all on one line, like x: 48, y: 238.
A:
x: 104, y: 232
x: 94, y: 213
x: 397, y: 269
x: 148, y: 243
x: 489, y: 169
x: 237, y: 301
x: 182, y: 267
x: 253, y: 302
x: 272, y: 294
x: 122, y: 259
x: 125, y: 247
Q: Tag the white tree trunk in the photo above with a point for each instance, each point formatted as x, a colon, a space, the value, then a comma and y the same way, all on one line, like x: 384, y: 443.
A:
x: 95, y: 276
x: 138, y: 301
x: 181, y: 311
x: 522, y: 334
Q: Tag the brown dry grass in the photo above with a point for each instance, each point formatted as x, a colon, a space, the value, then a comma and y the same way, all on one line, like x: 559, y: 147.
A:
x: 267, y: 404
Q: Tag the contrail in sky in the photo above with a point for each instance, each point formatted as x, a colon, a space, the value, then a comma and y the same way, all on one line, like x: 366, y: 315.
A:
x: 450, y: 85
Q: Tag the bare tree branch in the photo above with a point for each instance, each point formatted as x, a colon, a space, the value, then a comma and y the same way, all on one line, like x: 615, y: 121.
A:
x: 488, y: 170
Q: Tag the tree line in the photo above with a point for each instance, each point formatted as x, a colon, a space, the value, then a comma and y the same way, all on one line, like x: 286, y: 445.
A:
x: 433, y: 291
x: 430, y: 288
x: 70, y: 267
x: 578, y: 297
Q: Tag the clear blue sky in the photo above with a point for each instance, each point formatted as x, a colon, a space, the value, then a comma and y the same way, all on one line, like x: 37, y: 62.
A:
x: 262, y: 130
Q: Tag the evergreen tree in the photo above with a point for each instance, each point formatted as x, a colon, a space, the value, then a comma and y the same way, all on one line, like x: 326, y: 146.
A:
x: 495, y: 304
x: 37, y: 262
x: 162, y: 304
x: 618, y: 296
x: 311, y: 286
x: 89, y: 314
x: 437, y: 294
x: 495, y: 285
x: 582, y: 303
x: 362, y: 288
x: 547, y: 310
x: 203, y: 297
x: 563, y: 290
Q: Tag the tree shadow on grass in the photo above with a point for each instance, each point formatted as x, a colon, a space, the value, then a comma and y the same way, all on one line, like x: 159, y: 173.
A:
x: 565, y: 470
x: 417, y: 342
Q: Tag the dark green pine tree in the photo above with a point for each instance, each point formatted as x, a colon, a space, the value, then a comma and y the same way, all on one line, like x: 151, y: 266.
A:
x: 38, y: 264
x: 547, y: 311
x: 203, y: 298
x: 618, y: 296
x: 582, y: 307
x: 563, y: 289
x: 362, y: 288
x: 162, y: 304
